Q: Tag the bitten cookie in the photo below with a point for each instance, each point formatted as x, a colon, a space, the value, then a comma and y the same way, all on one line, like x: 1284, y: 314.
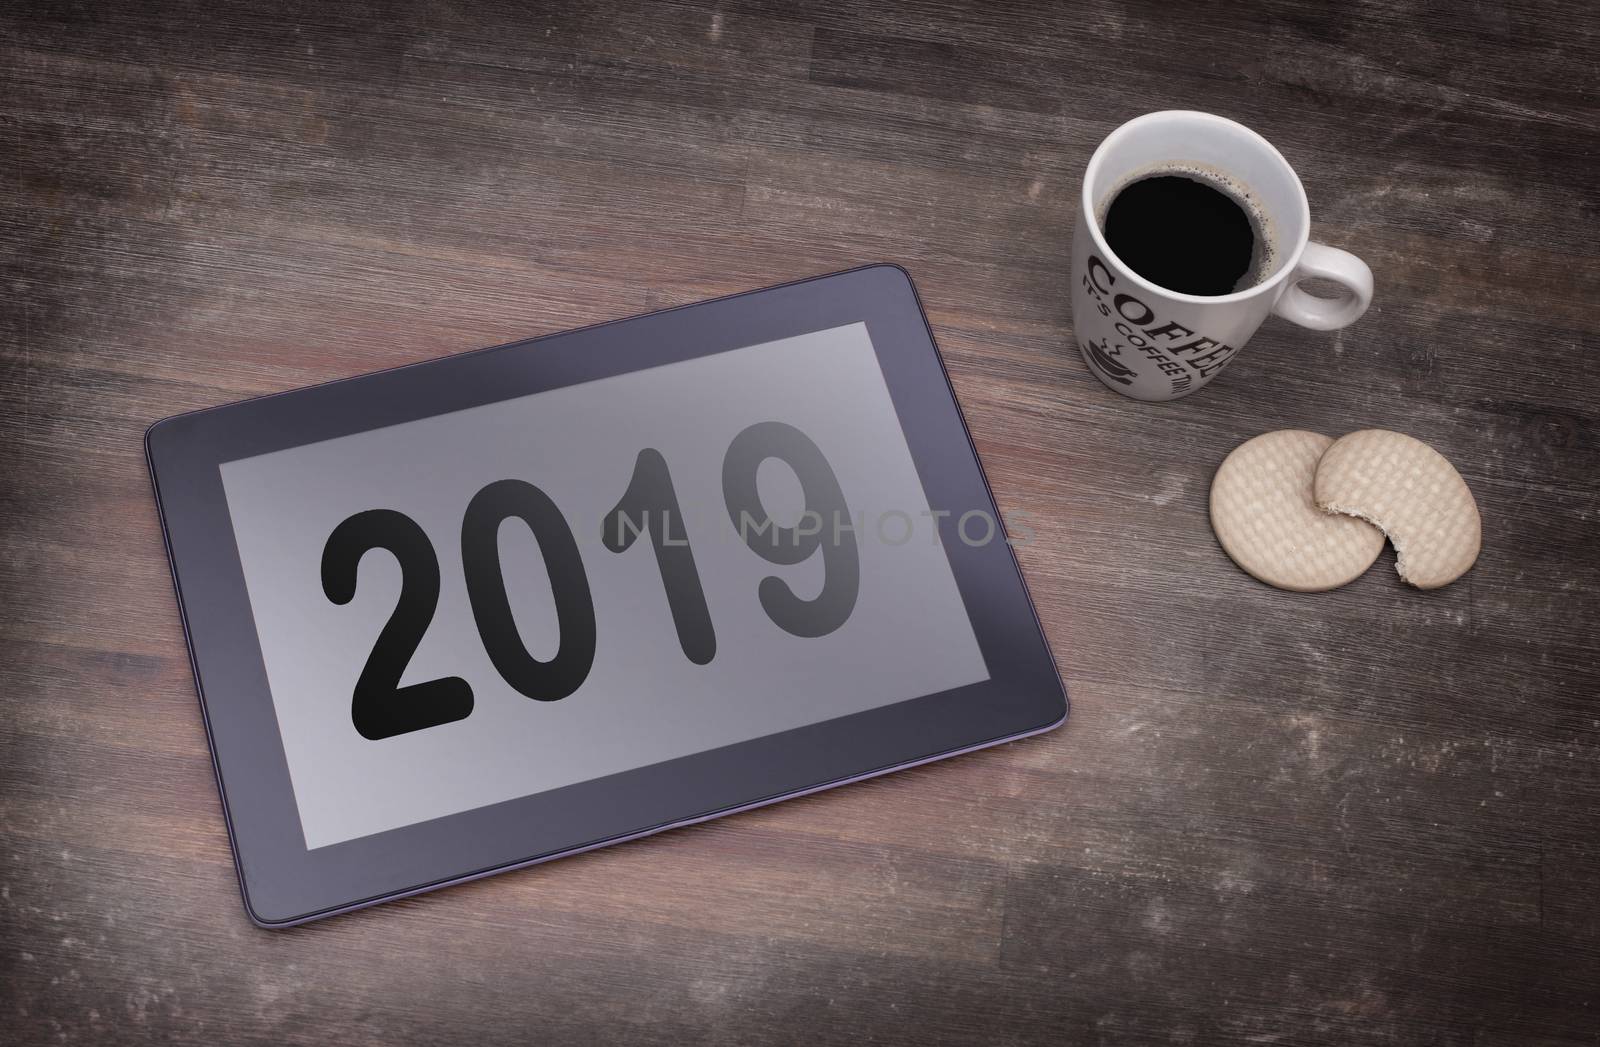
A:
x: 1413, y: 493
x: 1264, y: 515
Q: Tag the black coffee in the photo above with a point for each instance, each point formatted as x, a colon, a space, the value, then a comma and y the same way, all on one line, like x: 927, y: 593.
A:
x: 1186, y: 235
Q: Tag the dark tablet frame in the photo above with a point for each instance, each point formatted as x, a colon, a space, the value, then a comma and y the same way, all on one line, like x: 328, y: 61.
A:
x: 283, y: 883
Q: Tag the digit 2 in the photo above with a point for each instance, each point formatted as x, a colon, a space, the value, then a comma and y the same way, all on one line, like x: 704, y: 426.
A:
x: 380, y: 707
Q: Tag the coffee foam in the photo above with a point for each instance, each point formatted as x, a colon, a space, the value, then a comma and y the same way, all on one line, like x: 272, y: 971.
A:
x: 1264, y: 252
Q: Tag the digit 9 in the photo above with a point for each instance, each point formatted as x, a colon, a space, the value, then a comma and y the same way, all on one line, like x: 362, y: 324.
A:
x: 824, y: 504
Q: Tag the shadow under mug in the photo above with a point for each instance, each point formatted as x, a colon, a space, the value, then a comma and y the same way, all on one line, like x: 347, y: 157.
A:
x: 1150, y: 343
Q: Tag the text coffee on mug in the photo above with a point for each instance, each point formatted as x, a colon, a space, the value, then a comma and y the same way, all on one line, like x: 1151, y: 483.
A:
x: 1191, y: 229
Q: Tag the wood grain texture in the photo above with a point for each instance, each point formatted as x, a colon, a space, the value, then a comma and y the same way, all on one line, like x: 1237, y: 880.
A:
x: 1361, y: 817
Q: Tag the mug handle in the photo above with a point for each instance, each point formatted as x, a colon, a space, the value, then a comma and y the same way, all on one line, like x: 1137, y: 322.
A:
x: 1326, y: 314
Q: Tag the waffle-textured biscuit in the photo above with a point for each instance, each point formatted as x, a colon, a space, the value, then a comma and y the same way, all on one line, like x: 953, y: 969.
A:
x: 1413, y: 493
x: 1264, y: 515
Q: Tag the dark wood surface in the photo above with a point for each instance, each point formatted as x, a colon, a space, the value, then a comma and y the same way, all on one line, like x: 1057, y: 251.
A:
x: 1362, y: 817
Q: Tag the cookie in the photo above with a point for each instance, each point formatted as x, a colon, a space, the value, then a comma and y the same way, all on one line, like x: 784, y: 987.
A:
x: 1413, y: 493
x: 1263, y: 514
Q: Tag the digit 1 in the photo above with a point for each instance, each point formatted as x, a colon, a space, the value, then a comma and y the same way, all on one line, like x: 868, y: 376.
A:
x: 651, y: 503
x: 825, y: 507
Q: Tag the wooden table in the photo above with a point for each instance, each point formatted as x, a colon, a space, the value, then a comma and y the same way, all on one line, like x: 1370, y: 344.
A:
x: 1366, y: 816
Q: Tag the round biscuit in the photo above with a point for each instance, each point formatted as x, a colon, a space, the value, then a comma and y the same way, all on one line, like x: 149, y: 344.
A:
x: 1263, y: 514
x: 1412, y: 492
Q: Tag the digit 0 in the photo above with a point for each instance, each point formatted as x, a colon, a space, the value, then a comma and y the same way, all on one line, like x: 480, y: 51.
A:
x: 486, y: 589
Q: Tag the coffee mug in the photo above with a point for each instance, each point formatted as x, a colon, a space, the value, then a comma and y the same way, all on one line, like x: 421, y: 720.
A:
x: 1152, y: 343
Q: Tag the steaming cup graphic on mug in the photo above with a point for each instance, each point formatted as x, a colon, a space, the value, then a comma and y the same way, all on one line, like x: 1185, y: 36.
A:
x: 1154, y: 343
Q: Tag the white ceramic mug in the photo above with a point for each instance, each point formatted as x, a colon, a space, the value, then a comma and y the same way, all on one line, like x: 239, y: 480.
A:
x: 1150, y: 343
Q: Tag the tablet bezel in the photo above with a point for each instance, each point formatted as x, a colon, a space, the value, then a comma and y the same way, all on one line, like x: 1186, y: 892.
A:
x: 283, y: 883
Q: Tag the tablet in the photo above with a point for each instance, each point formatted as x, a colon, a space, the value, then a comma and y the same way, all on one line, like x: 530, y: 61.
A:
x: 471, y: 614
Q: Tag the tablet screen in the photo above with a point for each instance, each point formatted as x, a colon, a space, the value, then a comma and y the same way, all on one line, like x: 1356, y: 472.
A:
x: 484, y: 605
